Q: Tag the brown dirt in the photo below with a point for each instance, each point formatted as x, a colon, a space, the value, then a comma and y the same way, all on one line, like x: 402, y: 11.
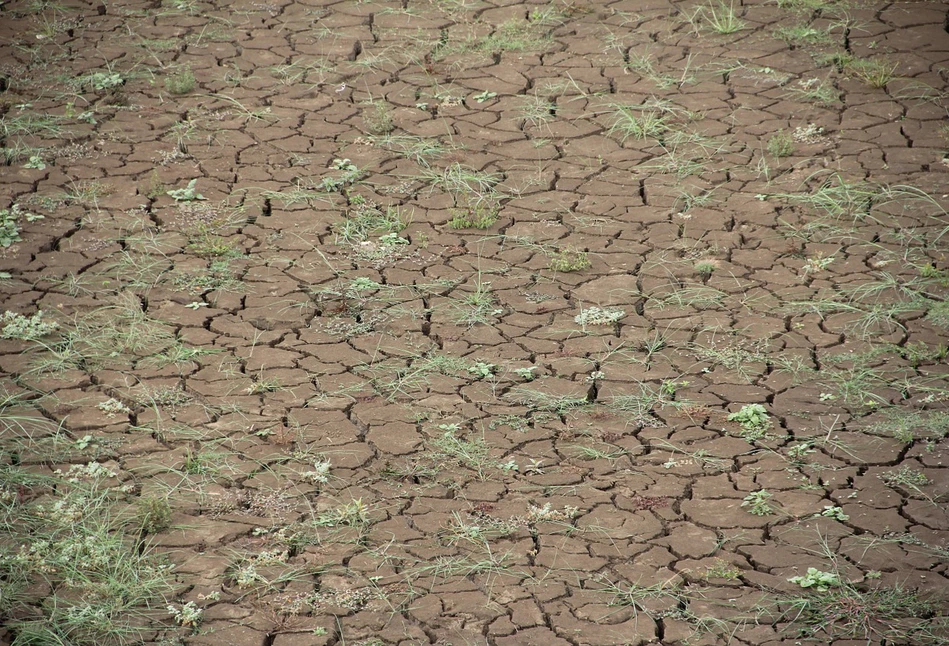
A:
x: 523, y: 478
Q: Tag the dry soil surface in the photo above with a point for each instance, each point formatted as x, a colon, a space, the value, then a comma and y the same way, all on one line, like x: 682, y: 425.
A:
x: 584, y: 323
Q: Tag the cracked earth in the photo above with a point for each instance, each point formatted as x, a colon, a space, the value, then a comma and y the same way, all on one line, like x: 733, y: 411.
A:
x: 485, y: 322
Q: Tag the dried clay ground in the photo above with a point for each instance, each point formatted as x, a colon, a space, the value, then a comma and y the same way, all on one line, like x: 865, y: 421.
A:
x: 473, y: 323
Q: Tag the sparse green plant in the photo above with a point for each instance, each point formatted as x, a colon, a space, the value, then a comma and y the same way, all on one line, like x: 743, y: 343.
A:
x: 818, y: 580
x: 757, y: 503
x: 747, y: 358
x: 180, y: 82
x: 474, y: 217
x: 835, y: 512
x: 937, y: 313
x: 706, y: 267
x: 754, y: 420
x: 154, y: 514
x: 541, y: 401
x: 802, y: 34
x: 419, y: 149
x: 719, y: 17
x: 837, y: 609
x: 598, y: 316
x: 818, y: 263
x: 264, y: 385
x: 904, y: 476
x: 510, y: 36
x: 35, y: 162
x: 378, y: 117
x: 722, y: 569
x: 477, y: 307
x: 875, y: 72
x: 481, y: 97
x: 569, y: 260
x: 186, y: 194
x: 367, y: 219
x: 189, y: 615
x: 640, y: 121
x: 482, y: 370
x: 638, y: 596
x: 25, y: 328
x: 71, y: 575
x: 798, y: 452
x: 352, y: 514
x: 10, y: 224
x: 537, y: 110
x: 780, y: 144
x: 320, y: 474
x: 815, y: 90
x: 472, y: 452
x: 101, y: 80
x: 644, y: 65
x: 527, y: 374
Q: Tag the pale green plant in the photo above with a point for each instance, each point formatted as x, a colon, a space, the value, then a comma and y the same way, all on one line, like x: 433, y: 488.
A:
x: 818, y: 580
x: 758, y: 503
x: 186, y: 194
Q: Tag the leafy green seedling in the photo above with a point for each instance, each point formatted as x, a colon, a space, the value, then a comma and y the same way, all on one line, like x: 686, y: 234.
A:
x: 754, y: 421
x: 832, y: 511
x: 757, y: 503
x: 25, y: 328
x: 820, y: 581
x: 598, y: 316
x: 482, y: 370
x: 187, y: 194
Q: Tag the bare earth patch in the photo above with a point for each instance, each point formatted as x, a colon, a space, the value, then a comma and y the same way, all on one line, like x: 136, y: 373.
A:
x: 461, y: 322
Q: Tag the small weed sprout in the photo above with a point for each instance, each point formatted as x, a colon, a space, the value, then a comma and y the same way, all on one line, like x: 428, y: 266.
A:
x: 818, y: 263
x: 798, y: 452
x: 246, y: 575
x: 598, y: 316
x: 722, y: 569
x: 874, y: 72
x: 320, y: 473
x: 820, y: 581
x: 187, y: 194
x: 754, y: 421
x: 481, y: 97
x: 10, y: 224
x: 102, y: 80
x: 815, y: 91
x: 181, y: 82
x: 833, y: 511
x: 720, y: 18
x: 482, y: 370
x: 706, y: 267
x: 757, y: 503
x: 473, y: 217
x: 154, y: 514
x: 781, y: 144
x: 188, y: 615
x: 35, y: 162
x: 25, y: 328
x: 378, y: 118
x: 905, y: 476
x: 569, y: 260
x: 527, y: 374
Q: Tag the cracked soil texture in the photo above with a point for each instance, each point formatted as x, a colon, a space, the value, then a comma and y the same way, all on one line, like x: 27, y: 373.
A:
x: 490, y: 323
